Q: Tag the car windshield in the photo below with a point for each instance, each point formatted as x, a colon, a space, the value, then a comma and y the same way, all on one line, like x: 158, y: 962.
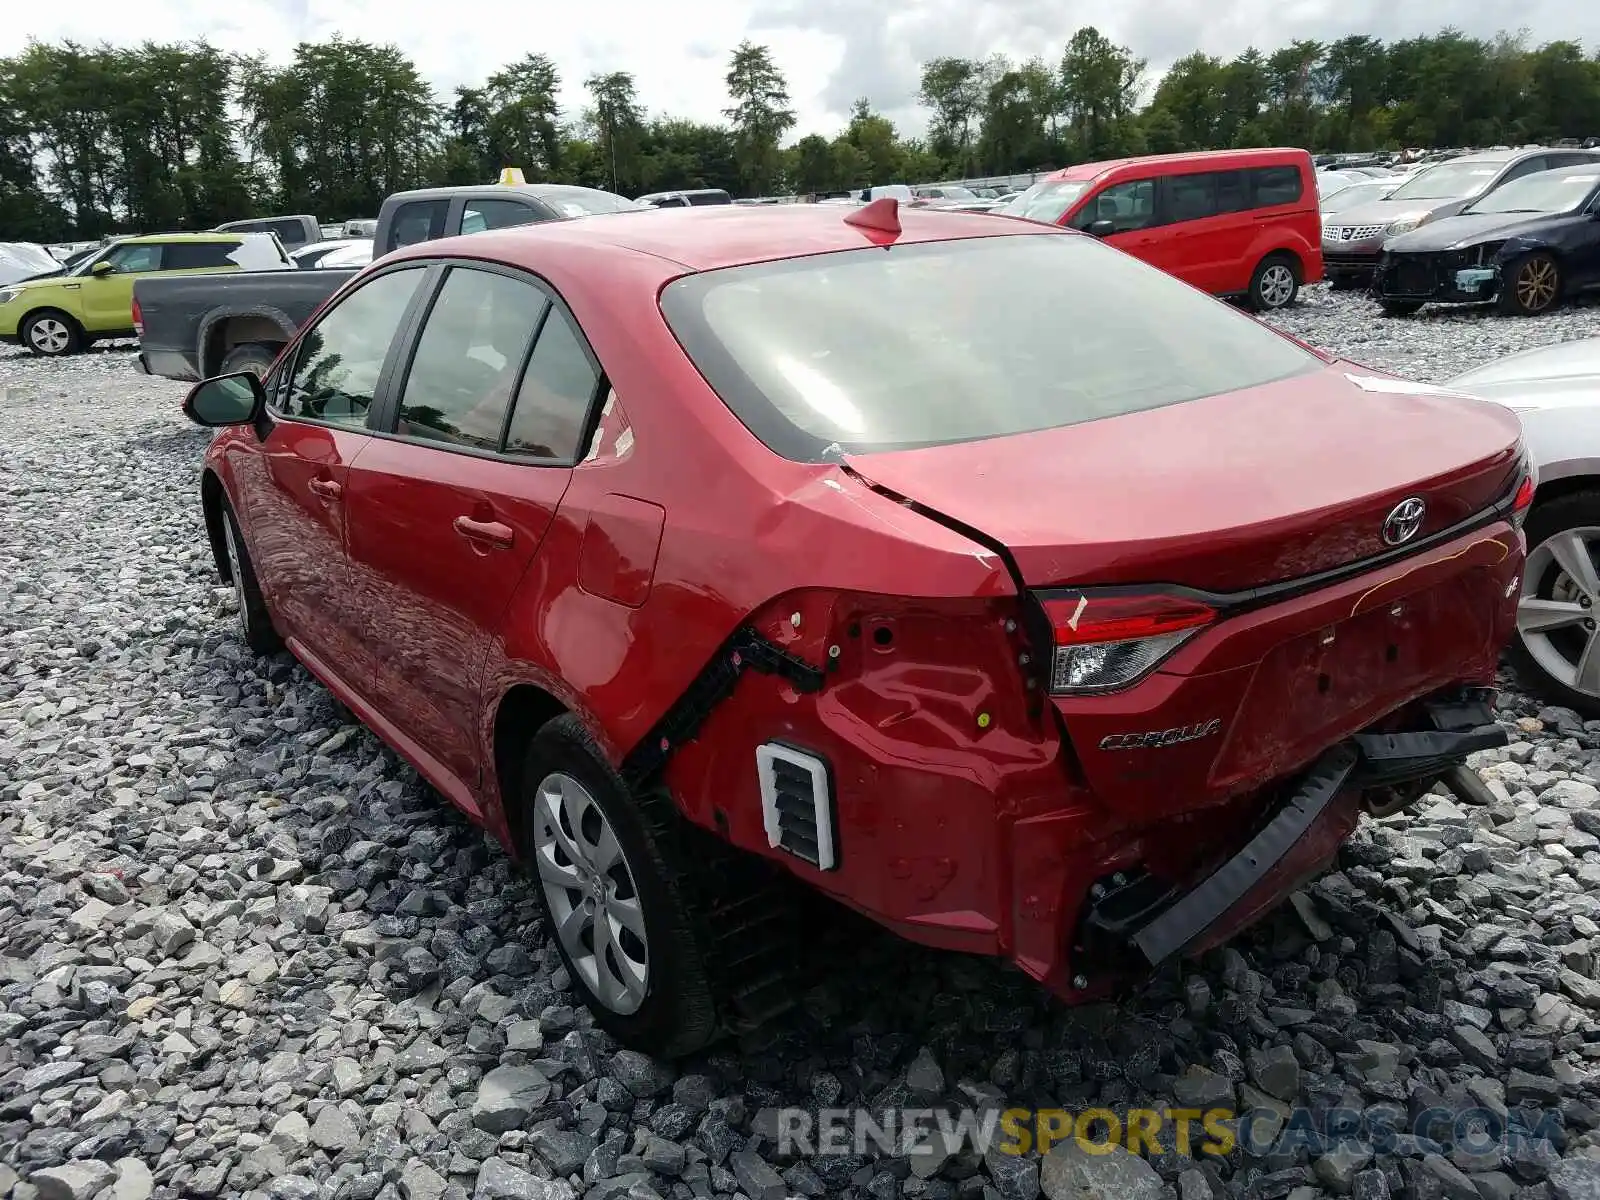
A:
x: 1541, y: 192
x: 881, y: 349
x: 1448, y: 181
x: 1046, y: 202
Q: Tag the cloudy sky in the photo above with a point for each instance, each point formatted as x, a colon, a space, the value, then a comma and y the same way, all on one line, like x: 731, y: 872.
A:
x: 831, y: 50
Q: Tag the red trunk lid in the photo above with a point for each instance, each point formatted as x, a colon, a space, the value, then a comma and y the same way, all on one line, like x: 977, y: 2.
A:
x: 1225, y: 493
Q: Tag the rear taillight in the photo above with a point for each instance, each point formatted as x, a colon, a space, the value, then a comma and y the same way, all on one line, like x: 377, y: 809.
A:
x: 1106, y: 640
x: 1523, y: 501
x: 138, y: 318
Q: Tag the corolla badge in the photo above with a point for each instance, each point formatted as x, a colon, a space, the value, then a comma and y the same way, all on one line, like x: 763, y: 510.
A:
x: 1403, y: 521
x: 1153, y: 738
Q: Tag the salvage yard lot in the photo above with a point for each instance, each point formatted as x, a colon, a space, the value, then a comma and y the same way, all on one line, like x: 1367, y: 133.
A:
x: 243, y: 946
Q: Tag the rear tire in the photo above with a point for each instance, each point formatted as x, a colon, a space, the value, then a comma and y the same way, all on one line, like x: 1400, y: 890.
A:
x: 1546, y: 658
x: 1531, y: 285
x: 50, y: 333
x: 255, y: 623
x: 1275, y: 283
x: 256, y: 358
x: 610, y: 865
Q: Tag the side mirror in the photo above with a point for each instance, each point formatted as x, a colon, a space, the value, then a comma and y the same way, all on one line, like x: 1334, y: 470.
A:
x: 101, y: 268
x: 225, y: 400
x: 1103, y: 228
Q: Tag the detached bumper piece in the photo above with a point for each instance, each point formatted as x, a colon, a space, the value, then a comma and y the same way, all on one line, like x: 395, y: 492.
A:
x: 1158, y: 921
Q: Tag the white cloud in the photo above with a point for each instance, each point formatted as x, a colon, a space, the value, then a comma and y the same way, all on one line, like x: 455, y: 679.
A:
x: 830, y: 50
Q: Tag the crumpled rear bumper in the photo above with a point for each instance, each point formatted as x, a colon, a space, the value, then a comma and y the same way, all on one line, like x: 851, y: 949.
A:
x: 1135, y: 920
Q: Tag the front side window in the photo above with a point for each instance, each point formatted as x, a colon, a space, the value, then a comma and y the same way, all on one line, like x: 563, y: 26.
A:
x: 1128, y: 206
x: 906, y: 346
x: 497, y: 214
x: 557, y: 390
x: 417, y: 221
x: 134, y: 258
x: 339, y: 361
x: 465, y: 369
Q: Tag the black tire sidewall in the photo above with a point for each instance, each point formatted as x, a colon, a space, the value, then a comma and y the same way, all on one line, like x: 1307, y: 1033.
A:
x: 1546, y: 520
x: 678, y: 1014
x: 1272, y: 260
x: 261, y: 636
x: 75, y: 341
x: 1510, y: 304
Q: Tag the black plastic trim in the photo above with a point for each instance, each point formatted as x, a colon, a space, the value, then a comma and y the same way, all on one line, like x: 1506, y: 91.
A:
x: 745, y: 650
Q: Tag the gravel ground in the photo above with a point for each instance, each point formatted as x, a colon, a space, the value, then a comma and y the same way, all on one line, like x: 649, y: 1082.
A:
x: 244, y: 952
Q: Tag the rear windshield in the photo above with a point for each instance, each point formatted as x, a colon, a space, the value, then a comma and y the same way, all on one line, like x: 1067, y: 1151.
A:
x: 1047, y: 202
x: 924, y: 344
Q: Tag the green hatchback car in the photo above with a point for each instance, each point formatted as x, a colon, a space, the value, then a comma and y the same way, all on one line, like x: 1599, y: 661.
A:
x: 65, y: 312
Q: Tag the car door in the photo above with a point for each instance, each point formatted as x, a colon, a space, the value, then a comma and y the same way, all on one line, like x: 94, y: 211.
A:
x: 448, y: 507
x: 107, y: 298
x: 292, y: 488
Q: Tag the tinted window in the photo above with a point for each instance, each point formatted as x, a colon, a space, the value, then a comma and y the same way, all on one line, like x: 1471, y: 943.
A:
x: 135, y: 258
x: 192, y: 256
x: 1276, y: 185
x: 1233, y: 191
x: 1191, y: 197
x: 884, y: 348
x: 417, y: 221
x: 465, y: 368
x: 553, y: 402
x: 1127, y: 206
x: 339, y: 360
x: 290, y: 233
x: 497, y: 214
x: 711, y: 197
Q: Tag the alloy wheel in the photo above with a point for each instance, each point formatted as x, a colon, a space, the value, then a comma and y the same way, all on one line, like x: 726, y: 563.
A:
x: 1277, y: 285
x: 1556, y: 617
x: 1536, y: 284
x: 237, y: 574
x: 589, y: 889
x: 49, y: 335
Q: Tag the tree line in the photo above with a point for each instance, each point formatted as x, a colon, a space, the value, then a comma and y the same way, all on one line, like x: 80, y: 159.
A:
x: 97, y: 139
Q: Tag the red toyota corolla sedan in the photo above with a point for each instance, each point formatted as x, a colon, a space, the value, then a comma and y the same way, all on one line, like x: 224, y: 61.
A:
x: 994, y: 583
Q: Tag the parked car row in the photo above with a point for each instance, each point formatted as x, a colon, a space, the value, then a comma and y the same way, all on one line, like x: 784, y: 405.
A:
x: 532, y: 504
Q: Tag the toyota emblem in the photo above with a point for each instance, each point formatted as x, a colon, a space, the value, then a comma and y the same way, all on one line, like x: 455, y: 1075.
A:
x: 1403, y: 521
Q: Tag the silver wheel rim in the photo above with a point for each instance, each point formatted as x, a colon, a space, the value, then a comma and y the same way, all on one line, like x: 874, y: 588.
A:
x: 590, y: 891
x: 1556, y: 615
x: 237, y: 574
x: 49, y: 335
x: 1277, y: 285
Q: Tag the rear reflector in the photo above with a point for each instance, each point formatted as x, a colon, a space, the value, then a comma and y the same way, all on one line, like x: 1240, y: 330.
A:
x: 1105, y: 641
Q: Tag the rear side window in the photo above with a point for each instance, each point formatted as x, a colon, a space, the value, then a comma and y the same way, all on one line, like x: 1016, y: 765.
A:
x: 469, y: 355
x: 1191, y: 197
x: 1276, y: 185
x: 194, y: 256
x: 417, y: 221
x: 497, y: 214
x: 290, y: 233
x: 557, y: 390
x: 884, y: 349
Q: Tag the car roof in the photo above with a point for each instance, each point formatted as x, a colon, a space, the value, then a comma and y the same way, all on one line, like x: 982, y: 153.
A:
x: 210, y: 235
x: 1093, y: 170
x: 539, y: 191
x: 715, y: 236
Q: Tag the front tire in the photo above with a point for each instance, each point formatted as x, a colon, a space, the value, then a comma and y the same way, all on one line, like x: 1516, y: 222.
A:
x: 50, y: 333
x: 1556, y: 650
x: 1531, y: 285
x: 255, y: 623
x: 1275, y: 283
x: 616, y: 883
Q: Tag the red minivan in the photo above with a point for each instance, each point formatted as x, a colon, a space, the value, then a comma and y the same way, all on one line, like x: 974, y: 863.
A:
x: 1234, y: 222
